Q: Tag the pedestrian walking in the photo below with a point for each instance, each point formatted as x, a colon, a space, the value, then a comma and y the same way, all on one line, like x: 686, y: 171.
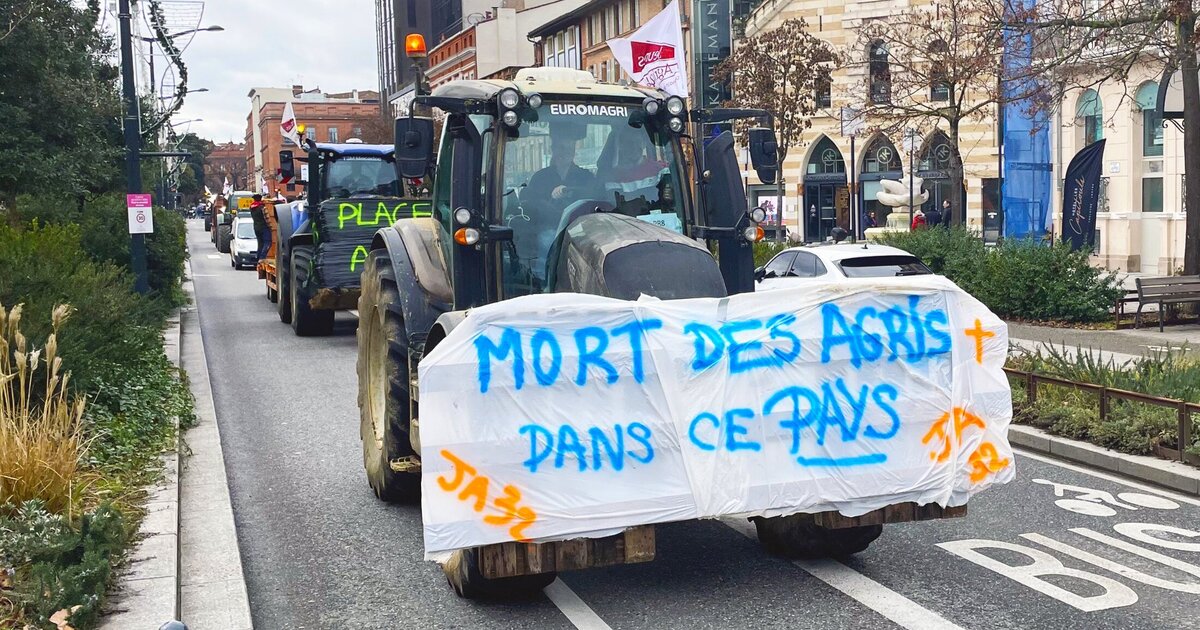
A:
x: 918, y: 220
x: 946, y: 212
x: 933, y: 218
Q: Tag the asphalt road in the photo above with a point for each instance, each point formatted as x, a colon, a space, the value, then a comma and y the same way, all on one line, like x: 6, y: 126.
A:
x: 319, y: 551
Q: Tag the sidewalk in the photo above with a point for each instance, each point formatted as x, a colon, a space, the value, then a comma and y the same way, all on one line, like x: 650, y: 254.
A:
x: 1133, y: 342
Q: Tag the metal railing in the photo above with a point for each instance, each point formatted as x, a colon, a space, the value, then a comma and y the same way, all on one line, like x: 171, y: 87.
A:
x: 1106, y: 395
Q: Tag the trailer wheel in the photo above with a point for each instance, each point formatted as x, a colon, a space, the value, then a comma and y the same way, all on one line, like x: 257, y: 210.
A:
x: 284, y: 292
x: 798, y: 536
x: 462, y: 572
x: 224, y: 236
x: 306, y: 321
x: 383, y: 384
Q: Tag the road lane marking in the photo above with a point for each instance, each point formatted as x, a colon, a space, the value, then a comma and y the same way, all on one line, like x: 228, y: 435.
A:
x: 216, y: 256
x: 1107, y: 477
x: 895, y: 607
x: 577, y: 612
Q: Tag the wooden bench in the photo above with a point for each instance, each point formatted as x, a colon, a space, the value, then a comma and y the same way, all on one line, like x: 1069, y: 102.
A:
x: 1163, y: 291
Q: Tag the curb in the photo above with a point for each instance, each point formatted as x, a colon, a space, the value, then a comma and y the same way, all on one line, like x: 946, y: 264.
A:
x: 146, y: 594
x: 212, y: 585
x: 1160, y: 472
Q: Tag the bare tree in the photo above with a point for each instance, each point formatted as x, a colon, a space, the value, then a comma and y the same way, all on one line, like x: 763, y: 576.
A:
x: 934, y: 66
x: 781, y: 71
x: 1081, y: 44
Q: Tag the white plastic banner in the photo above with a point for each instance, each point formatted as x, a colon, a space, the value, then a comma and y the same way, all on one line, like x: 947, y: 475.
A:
x: 558, y: 416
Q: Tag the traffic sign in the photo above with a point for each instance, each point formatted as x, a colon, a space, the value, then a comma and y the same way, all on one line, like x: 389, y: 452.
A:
x: 141, y: 213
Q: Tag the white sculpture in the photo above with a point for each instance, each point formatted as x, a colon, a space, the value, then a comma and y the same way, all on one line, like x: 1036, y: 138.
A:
x: 902, y: 199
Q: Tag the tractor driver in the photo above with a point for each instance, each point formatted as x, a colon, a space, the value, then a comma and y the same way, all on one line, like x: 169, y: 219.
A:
x: 562, y: 182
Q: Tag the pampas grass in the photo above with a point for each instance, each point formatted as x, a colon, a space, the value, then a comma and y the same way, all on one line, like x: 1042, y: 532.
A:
x: 41, y: 443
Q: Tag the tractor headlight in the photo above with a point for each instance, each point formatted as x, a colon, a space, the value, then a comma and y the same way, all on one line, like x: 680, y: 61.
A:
x: 509, y: 98
x: 675, y: 125
x: 510, y: 118
x: 758, y: 214
x: 534, y: 100
x: 675, y: 106
x: 462, y: 216
x: 651, y: 106
x: 752, y: 233
x: 466, y: 236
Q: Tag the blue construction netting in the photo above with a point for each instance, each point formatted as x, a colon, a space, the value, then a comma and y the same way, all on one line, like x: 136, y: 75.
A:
x: 1027, y: 169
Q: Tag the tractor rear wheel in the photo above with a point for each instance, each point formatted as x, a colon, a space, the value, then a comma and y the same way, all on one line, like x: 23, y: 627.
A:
x: 383, y: 385
x: 798, y: 536
x: 306, y: 321
x: 463, y: 574
x: 224, y: 236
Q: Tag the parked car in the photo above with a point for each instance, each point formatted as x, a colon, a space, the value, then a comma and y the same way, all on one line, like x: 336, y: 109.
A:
x: 243, y: 247
x: 825, y: 263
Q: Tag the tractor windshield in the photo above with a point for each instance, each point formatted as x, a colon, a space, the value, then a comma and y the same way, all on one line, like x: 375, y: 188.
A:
x: 360, y: 176
x: 578, y: 158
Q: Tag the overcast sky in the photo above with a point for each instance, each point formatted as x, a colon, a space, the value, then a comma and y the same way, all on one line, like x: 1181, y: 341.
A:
x: 274, y: 43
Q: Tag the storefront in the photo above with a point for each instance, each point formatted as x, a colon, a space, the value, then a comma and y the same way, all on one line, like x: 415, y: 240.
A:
x: 879, y: 160
x: 936, y: 167
x: 826, y: 196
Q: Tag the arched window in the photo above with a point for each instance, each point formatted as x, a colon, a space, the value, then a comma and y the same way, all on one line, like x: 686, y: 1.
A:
x: 826, y: 158
x: 1152, y: 128
x: 939, y: 84
x: 881, y: 156
x: 1089, y: 114
x: 881, y: 74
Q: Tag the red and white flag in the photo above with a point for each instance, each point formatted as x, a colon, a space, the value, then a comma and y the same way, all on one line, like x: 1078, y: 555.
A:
x: 653, y: 54
x: 287, y: 126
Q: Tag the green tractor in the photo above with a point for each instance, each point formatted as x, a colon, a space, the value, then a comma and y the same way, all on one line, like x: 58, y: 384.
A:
x: 551, y: 182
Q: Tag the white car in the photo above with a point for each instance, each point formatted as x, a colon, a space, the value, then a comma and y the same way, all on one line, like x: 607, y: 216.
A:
x: 243, y: 246
x: 796, y: 266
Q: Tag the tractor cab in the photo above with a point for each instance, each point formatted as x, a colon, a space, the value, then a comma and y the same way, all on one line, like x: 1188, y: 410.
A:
x: 536, y: 174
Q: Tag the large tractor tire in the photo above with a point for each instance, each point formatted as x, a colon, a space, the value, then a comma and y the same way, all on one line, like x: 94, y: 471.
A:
x: 798, y: 536
x: 462, y: 572
x: 224, y: 237
x: 383, y: 384
x: 306, y: 321
x: 284, y: 304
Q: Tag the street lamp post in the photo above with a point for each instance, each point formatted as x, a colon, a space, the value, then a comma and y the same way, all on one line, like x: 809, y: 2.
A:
x: 133, y: 142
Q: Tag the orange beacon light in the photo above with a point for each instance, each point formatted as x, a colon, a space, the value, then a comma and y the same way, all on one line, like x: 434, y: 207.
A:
x: 414, y: 45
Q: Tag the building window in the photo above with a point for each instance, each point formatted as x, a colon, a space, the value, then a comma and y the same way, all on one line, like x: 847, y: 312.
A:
x: 357, y: 132
x: 1152, y: 194
x: 881, y: 74
x: 333, y: 134
x: 636, y: 19
x: 311, y: 133
x: 1089, y: 117
x: 616, y: 13
x: 824, y: 93
x: 1152, y: 128
x: 939, y: 85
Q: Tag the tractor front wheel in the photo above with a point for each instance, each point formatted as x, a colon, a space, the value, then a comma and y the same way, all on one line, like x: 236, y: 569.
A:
x: 463, y: 574
x: 798, y: 536
x: 306, y: 321
x: 383, y: 401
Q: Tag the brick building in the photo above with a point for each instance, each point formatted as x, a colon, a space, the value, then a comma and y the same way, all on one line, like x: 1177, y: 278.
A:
x: 327, y: 117
x: 227, y: 160
x: 494, y: 45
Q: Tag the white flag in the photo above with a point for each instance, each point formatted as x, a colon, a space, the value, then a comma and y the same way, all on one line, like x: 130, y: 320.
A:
x: 287, y: 126
x: 226, y: 188
x: 653, y: 54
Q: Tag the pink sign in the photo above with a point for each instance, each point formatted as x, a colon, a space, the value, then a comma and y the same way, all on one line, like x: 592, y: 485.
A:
x: 140, y: 200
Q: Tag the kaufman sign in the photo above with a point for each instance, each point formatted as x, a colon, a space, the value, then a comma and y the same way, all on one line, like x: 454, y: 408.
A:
x: 559, y: 416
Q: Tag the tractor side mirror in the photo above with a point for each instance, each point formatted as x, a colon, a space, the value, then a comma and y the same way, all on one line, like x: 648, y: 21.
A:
x: 760, y: 274
x: 287, y: 166
x: 764, y: 153
x: 414, y: 146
